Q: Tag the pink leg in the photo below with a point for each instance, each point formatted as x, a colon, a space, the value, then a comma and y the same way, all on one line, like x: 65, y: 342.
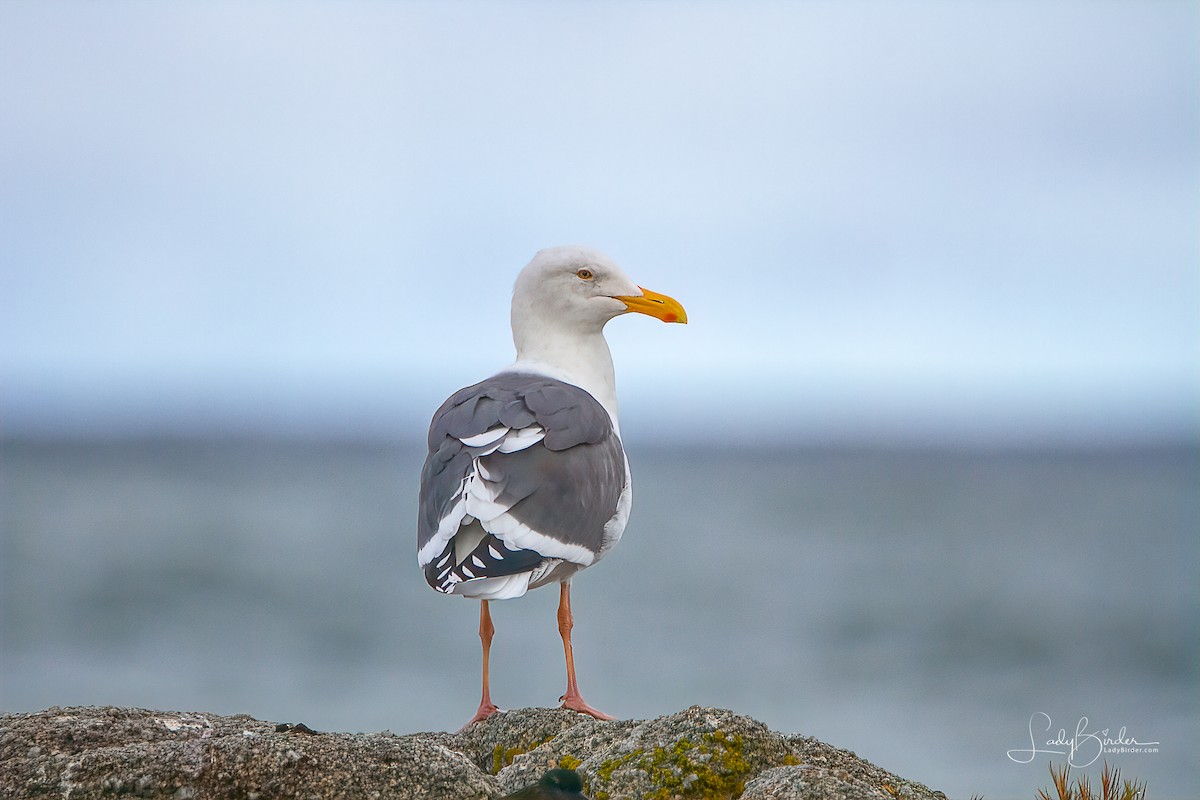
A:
x: 572, y: 699
x: 486, y: 629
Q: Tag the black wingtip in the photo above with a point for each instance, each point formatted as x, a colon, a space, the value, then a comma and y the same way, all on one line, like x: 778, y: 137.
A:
x: 556, y: 784
x: 566, y: 780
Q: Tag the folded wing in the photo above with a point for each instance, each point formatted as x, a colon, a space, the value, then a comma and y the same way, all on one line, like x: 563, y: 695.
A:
x: 524, y: 472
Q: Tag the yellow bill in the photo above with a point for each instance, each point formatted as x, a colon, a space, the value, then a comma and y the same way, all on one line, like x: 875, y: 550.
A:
x: 657, y: 305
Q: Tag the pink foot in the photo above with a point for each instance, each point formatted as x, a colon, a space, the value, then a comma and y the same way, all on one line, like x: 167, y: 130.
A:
x: 485, y: 711
x: 575, y: 703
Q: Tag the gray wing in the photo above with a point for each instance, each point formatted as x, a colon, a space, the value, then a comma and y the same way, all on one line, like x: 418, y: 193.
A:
x: 521, y: 468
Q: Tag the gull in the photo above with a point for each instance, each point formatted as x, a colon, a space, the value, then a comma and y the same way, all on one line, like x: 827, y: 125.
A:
x: 526, y: 481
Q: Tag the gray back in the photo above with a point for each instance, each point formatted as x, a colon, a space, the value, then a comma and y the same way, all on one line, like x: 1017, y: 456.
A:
x: 566, y: 486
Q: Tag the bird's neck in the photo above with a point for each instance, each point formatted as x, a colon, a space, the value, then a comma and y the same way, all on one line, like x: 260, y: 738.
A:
x: 581, y: 358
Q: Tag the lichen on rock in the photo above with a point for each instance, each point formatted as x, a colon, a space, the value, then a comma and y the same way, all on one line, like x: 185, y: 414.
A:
x: 698, y: 752
x: 86, y: 753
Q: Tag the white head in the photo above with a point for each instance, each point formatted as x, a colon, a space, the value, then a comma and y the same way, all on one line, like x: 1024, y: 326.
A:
x: 573, y: 289
x: 561, y: 303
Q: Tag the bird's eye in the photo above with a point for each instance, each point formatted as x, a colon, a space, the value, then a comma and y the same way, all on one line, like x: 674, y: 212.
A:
x: 584, y: 275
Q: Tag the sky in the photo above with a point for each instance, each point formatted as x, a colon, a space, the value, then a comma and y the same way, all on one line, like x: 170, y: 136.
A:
x: 917, y: 220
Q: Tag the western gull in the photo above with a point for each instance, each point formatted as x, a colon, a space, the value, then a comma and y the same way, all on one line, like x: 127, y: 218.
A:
x: 555, y: 784
x: 526, y: 481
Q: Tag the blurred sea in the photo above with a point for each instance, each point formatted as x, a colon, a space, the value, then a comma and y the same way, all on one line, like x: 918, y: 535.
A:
x: 915, y: 606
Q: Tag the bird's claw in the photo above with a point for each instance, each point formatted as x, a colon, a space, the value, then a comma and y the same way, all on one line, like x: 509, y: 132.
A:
x: 576, y: 703
x: 485, y: 711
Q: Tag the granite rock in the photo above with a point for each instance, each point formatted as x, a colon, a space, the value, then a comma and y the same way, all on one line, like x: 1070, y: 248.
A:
x: 83, y: 753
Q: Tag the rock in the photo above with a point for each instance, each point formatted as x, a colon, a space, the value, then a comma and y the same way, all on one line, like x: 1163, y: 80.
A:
x: 827, y: 771
x: 701, y: 752
x: 813, y: 783
x: 85, y: 753
x: 587, y: 737
x: 495, y: 742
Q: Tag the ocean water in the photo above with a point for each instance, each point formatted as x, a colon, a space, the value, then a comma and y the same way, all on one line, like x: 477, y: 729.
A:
x: 919, y: 607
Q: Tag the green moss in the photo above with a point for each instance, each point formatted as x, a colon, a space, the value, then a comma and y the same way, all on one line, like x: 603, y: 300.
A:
x: 609, y: 766
x: 568, y: 762
x: 713, y: 767
x: 790, y: 760
x: 503, y: 756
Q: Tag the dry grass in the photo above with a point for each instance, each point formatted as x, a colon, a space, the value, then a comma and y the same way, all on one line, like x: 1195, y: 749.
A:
x: 1111, y: 786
